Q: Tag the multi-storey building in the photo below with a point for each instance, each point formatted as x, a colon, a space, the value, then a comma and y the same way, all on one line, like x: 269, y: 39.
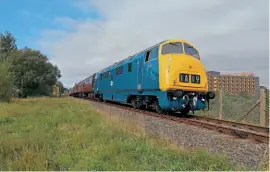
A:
x: 234, y: 83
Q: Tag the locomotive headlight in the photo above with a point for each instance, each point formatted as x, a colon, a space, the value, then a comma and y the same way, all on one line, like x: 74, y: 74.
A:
x: 210, y: 95
x: 178, y: 93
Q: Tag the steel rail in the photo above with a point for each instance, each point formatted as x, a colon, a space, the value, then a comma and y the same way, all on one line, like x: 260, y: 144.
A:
x: 240, y: 130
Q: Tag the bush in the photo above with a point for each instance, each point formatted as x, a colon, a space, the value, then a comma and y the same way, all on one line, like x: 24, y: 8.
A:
x: 6, y: 83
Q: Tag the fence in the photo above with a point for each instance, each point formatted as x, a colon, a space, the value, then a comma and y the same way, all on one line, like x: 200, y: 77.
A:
x: 241, y: 108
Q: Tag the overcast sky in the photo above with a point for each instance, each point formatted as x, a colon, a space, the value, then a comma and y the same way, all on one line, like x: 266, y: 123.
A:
x: 231, y: 35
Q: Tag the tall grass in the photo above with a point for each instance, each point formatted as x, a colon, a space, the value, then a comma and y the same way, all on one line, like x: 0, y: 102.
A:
x: 66, y: 134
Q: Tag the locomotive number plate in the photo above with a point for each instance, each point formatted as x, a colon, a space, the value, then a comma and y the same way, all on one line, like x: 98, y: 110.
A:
x: 195, y: 79
x: 184, y: 77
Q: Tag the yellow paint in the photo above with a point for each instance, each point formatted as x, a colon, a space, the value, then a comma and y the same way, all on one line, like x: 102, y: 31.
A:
x: 171, y: 65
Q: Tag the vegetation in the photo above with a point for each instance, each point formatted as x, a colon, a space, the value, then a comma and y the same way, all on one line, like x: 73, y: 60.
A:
x: 66, y: 134
x: 6, y: 81
x: 25, y: 72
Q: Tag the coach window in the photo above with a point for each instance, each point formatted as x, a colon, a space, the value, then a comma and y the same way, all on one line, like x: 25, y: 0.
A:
x: 172, y: 48
x: 191, y: 51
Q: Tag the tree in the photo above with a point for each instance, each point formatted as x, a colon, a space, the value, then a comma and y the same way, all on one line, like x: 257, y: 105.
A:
x: 6, y: 83
x: 7, y: 45
x: 61, y: 87
x: 34, y: 74
x: 29, y: 70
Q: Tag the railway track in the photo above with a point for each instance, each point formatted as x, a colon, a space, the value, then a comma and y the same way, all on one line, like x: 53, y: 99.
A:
x: 239, y: 130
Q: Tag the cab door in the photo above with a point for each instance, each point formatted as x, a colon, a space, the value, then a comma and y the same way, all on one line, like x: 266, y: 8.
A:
x: 151, y: 70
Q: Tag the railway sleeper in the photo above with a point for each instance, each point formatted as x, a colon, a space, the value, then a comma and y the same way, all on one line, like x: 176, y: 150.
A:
x: 241, y: 134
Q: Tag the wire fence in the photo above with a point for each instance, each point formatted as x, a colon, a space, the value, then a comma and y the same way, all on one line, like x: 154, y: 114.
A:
x: 240, y: 108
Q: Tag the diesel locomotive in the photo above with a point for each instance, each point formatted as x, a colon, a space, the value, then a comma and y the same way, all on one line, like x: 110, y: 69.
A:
x: 168, y: 77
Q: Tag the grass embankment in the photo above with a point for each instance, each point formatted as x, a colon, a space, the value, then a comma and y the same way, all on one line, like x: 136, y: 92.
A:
x: 66, y: 134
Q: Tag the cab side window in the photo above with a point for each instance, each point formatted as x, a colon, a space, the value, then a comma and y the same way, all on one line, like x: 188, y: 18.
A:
x: 152, y: 54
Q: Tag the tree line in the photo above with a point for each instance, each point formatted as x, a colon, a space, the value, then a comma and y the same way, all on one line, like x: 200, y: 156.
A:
x: 25, y: 72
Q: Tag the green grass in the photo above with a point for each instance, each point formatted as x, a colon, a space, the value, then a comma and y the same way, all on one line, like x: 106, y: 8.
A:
x: 66, y: 134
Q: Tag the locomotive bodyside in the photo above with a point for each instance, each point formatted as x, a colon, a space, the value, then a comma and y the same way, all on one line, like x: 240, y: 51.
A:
x: 126, y: 80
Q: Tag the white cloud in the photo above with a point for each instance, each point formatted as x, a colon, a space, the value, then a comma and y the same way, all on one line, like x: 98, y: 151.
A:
x: 230, y: 35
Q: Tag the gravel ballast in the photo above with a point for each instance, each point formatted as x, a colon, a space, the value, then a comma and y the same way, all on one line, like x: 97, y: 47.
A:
x: 238, y: 151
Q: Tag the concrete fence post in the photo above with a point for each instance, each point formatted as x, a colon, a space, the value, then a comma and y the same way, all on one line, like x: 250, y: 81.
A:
x: 262, y: 107
x: 220, y: 104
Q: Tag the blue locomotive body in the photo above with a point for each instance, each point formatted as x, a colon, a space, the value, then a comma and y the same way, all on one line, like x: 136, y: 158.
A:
x: 136, y: 80
x: 130, y: 77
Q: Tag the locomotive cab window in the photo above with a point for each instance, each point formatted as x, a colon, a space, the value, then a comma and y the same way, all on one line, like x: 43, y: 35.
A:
x: 191, y: 51
x: 152, y: 54
x: 147, y: 56
x: 172, y: 48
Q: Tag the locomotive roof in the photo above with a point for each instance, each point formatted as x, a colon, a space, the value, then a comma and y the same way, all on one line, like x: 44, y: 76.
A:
x: 82, y: 81
x: 128, y: 59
